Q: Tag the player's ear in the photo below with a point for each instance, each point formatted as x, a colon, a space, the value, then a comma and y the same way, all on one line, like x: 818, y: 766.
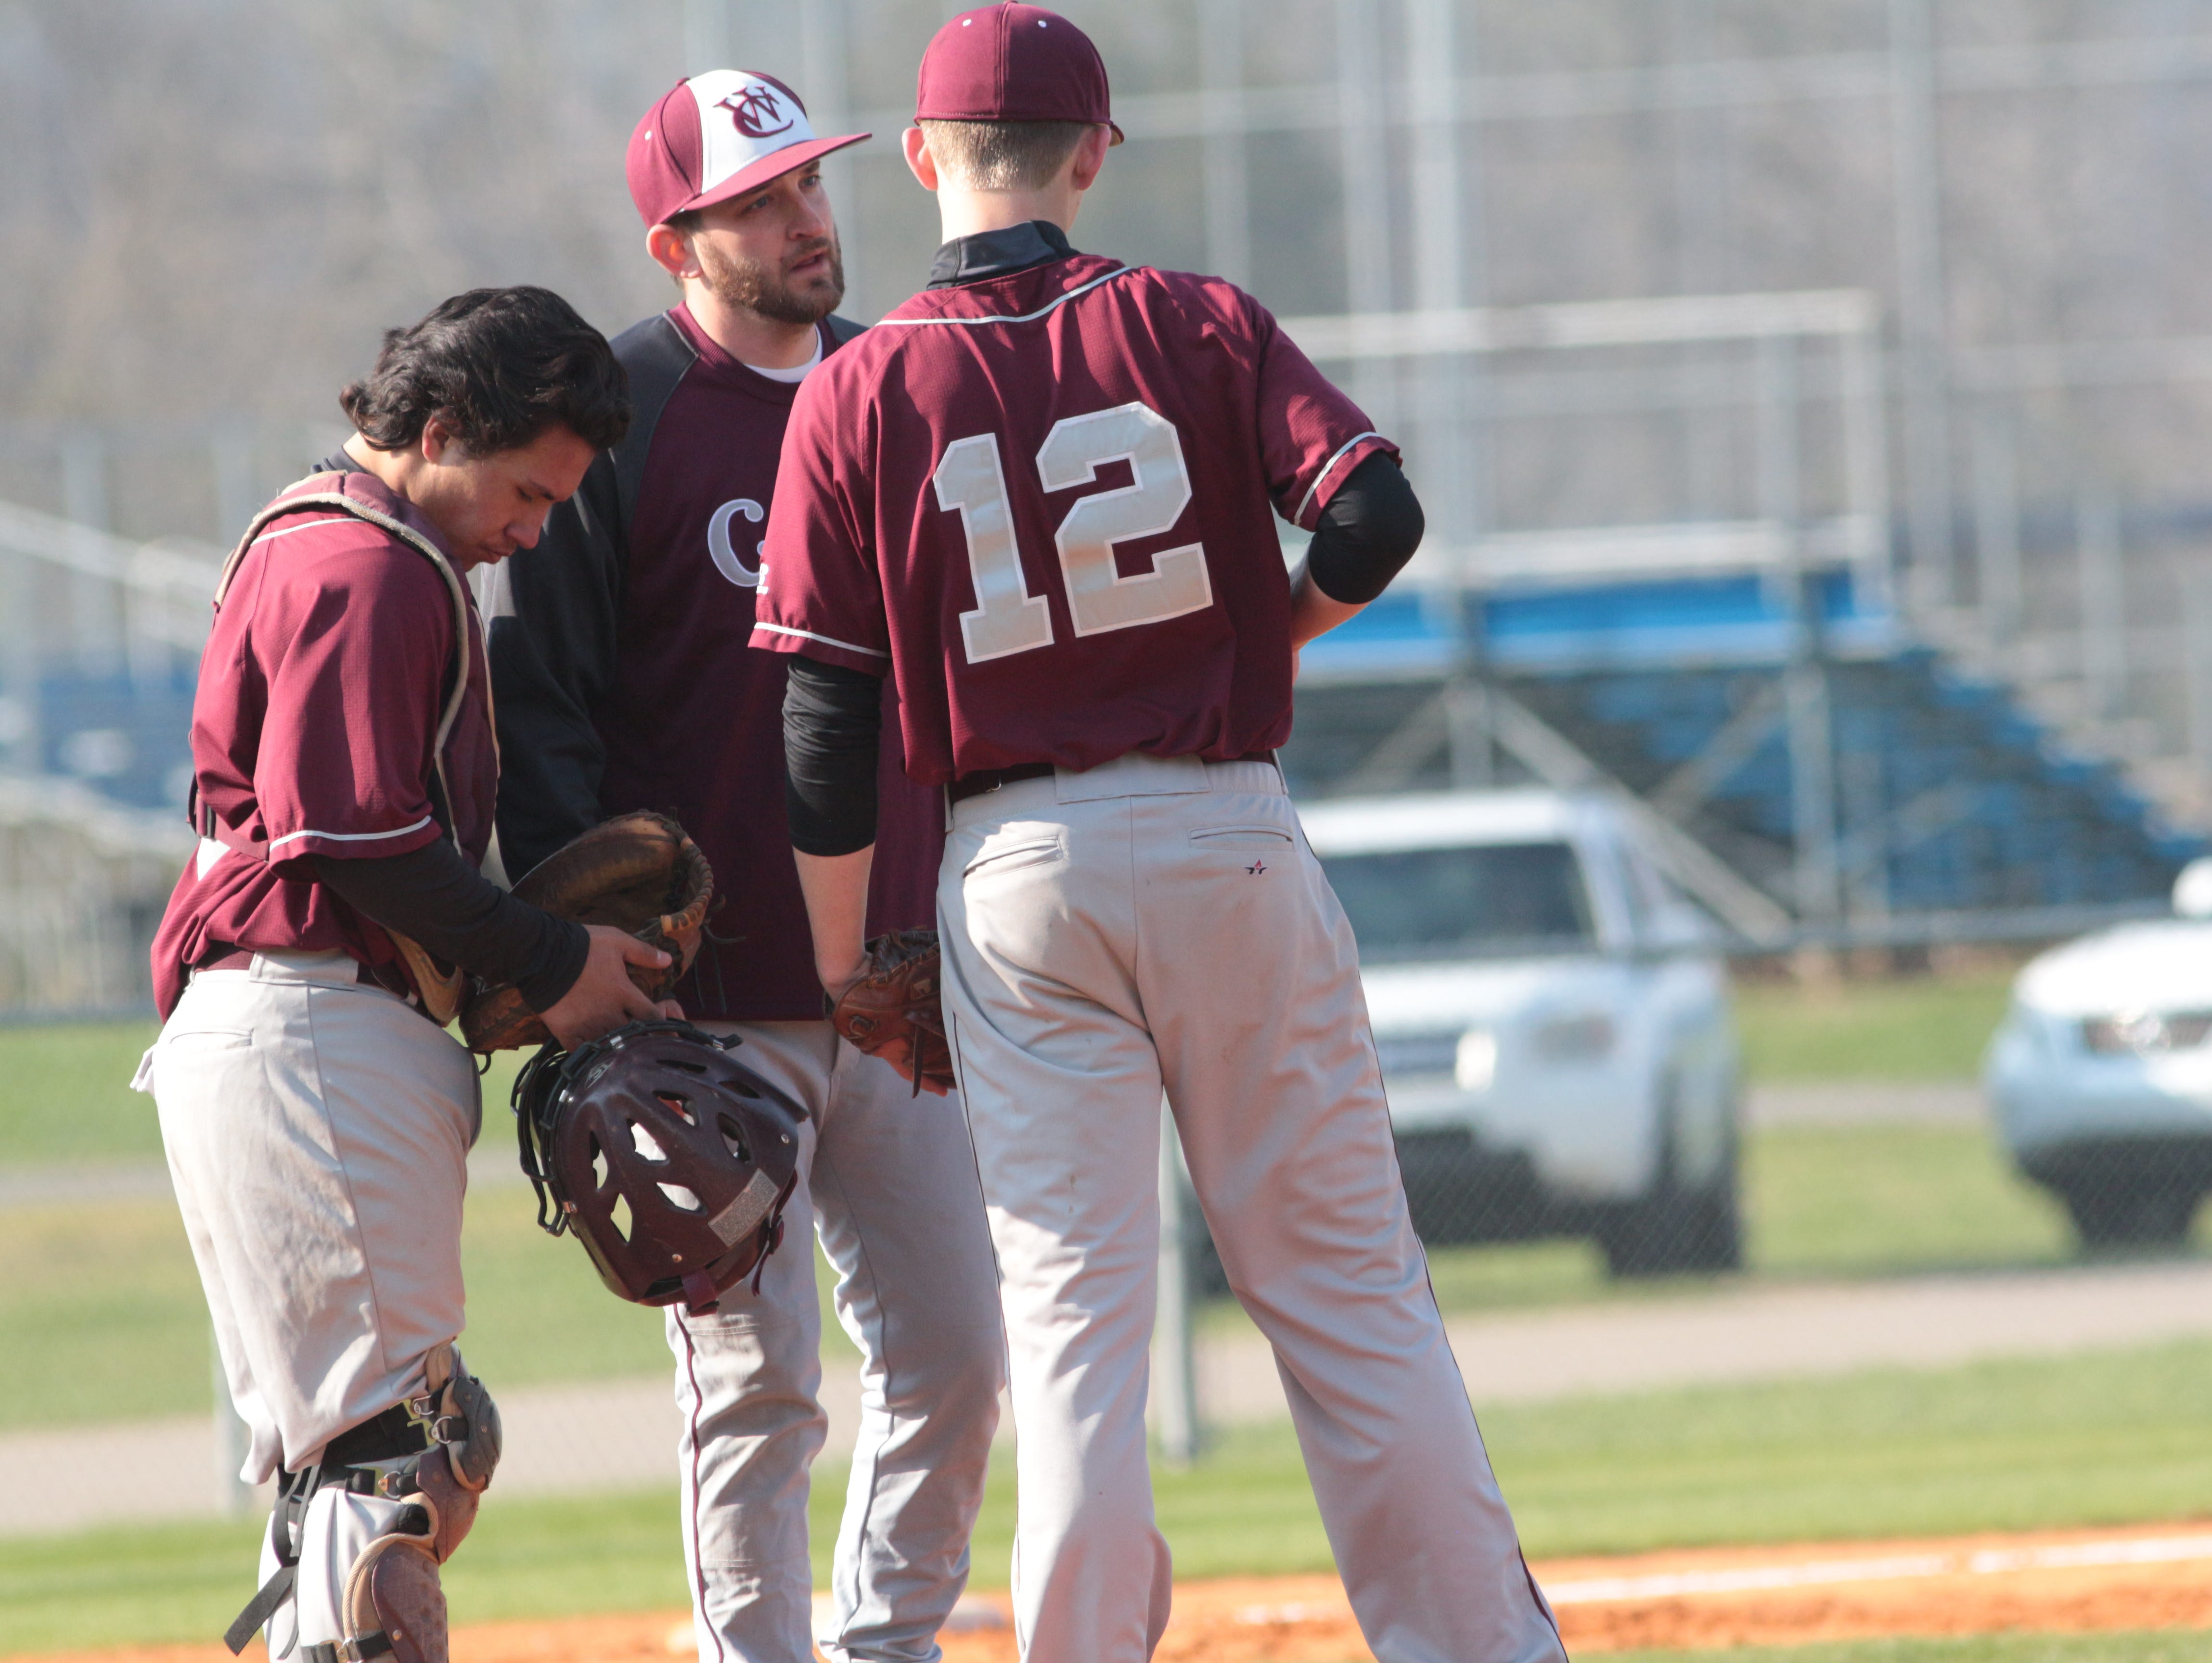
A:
x: 671, y: 251
x: 1090, y: 157
x: 915, y: 143
x: 437, y: 439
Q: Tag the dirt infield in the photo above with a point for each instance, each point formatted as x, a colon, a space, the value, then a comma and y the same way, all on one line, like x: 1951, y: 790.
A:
x: 2069, y: 1581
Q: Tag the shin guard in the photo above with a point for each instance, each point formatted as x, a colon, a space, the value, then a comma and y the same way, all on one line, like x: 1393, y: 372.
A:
x: 357, y: 1537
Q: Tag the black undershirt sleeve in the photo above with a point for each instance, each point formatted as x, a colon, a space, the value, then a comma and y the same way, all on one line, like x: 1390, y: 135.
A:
x: 833, y: 716
x: 434, y: 897
x: 833, y: 730
x: 1367, y: 533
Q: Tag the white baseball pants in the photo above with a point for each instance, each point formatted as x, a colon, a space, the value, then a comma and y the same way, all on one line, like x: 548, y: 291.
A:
x: 888, y: 1181
x: 318, y: 1131
x: 1160, y: 923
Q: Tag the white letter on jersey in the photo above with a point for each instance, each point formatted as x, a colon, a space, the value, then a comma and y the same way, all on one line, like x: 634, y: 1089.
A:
x: 1099, y: 598
x: 1007, y: 618
x: 728, y: 560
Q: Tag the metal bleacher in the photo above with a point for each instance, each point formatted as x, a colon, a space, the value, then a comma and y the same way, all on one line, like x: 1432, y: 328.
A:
x: 1946, y: 810
x: 99, y: 641
x: 1756, y: 680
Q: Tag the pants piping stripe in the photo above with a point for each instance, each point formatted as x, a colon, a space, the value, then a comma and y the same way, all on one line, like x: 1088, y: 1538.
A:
x: 691, y: 1486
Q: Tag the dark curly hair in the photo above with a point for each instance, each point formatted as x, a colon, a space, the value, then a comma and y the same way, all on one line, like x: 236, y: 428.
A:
x: 497, y: 366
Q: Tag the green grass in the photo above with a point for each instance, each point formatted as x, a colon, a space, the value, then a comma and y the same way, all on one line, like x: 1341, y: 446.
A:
x: 108, y: 1322
x: 64, y: 1090
x: 101, y: 1316
x: 65, y: 1093
x: 2103, y: 1438
x: 2111, y: 1438
x: 1819, y: 1201
x: 1849, y: 1201
x: 1929, y: 1027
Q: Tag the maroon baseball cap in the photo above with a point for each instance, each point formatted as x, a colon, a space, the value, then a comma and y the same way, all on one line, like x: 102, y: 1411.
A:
x: 1012, y: 63
x: 717, y: 136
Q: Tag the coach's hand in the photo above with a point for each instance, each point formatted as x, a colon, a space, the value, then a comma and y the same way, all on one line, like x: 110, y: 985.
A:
x: 604, y: 997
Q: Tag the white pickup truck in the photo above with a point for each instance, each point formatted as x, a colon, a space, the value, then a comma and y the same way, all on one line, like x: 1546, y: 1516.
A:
x: 1552, y: 1021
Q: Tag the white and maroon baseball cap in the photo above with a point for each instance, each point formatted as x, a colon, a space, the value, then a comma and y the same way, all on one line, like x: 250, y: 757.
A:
x: 717, y: 136
x: 1012, y: 63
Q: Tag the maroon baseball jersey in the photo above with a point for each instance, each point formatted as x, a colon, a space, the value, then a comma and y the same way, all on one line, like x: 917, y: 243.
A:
x: 320, y: 691
x: 624, y: 679
x: 1042, y: 502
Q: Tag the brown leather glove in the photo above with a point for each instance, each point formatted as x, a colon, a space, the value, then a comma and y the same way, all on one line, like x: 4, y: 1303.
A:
x: 638, y: 872
x: 893, y: 1012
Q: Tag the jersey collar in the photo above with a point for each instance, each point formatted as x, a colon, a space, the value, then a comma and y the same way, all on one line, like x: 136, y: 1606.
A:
x: 717, y: 359
x: 995, y: 254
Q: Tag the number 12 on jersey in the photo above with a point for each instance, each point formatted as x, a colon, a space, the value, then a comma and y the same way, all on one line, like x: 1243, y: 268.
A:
x: 971, y: 481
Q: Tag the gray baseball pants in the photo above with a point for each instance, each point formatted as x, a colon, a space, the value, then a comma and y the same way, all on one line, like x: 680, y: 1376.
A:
x: 317, y: 1131
x: 1160, y: 923
x: 888, y: 1181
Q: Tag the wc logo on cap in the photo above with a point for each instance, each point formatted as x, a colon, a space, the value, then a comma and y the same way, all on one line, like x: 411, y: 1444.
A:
x: 757, y: 111
x: 718, y: 135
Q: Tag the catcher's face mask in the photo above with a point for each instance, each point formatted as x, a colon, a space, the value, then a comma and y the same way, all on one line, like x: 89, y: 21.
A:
x: 669, y: 1159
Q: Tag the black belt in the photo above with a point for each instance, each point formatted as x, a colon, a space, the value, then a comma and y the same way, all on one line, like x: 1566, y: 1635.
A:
x: 986, y: 779
x: 974, y: 784
x: 220, y: 956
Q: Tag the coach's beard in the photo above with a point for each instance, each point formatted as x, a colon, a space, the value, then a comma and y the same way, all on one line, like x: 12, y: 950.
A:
x: 757, y: 286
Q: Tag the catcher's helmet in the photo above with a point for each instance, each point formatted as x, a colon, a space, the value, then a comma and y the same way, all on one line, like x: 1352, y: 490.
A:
x: 658, y: 1119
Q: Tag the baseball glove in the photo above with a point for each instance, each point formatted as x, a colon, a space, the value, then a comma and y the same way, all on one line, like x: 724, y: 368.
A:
x: 892, y: 1012
x: 636, y: 871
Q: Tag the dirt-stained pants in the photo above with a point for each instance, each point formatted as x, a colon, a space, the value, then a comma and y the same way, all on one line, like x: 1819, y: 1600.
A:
x: 318, y: 1131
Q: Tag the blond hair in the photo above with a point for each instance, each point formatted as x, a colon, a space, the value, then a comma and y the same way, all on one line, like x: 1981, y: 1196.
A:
x: 1003, y: 155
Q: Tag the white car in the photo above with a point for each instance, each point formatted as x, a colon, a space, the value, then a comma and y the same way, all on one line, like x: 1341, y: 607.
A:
x: 1553, y: 1022
x: 2101, y: 1073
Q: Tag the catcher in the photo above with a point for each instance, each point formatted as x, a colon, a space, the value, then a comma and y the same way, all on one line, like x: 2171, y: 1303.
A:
x: 619, y: 656
x: 317, y: 1119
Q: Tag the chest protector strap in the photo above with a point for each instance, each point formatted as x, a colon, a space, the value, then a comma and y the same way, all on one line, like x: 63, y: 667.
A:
x: 441, y: 985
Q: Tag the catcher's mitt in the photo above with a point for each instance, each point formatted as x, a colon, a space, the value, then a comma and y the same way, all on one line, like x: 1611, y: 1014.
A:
x: 636, y: 871
x: 892, y: 1012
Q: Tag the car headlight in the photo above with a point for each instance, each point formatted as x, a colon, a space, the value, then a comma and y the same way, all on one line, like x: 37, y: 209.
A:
x: 1588, y: 1037
x: 1474, y: 1065
x: 2144, y: 1032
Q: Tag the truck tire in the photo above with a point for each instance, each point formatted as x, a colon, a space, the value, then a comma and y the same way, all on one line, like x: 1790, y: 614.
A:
x: 2131, y: 1211
x: 1674, y: 1230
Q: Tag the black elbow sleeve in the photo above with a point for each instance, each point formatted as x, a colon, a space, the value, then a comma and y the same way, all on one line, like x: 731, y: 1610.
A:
x: 1367, y: 532
x: 833, y: 725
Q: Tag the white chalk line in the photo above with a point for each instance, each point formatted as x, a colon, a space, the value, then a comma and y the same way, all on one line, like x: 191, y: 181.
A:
x: 1828, y: 1573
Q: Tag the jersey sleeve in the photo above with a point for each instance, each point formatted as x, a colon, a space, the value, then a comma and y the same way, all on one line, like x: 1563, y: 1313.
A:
x: 1311, y: 436
x: 356, y: 641
x: 820, y: 592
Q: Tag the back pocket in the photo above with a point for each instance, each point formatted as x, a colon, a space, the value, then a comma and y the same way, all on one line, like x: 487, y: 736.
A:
x: 1266, y: 838
x: 1012, y: 854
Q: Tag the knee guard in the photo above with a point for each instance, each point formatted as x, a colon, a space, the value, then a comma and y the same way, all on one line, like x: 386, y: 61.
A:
x: 463, y: 1418
x: 356, y: 1541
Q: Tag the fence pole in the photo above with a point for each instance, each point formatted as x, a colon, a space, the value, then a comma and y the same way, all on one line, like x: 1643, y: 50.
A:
x: 232, y: 1495
x: 1175, y: 1373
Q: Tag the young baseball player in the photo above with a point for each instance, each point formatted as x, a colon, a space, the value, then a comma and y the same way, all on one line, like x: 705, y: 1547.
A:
x: 624, y: 681
x: 1039, y: 499
x: 316, y: 1115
